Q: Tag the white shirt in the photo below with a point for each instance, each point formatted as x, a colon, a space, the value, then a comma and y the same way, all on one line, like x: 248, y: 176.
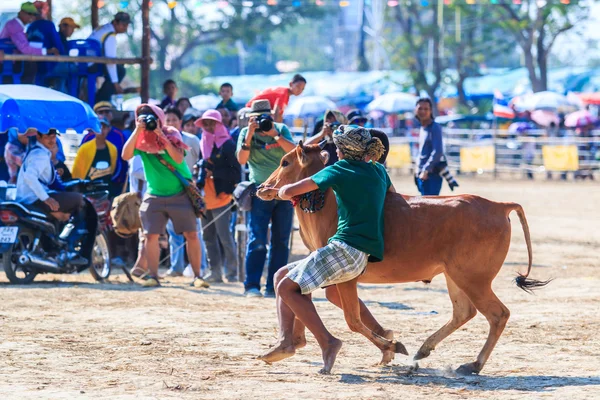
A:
x: 192, y: 156
x: 110, y: 47
x: 35, y: 175
x: 136, y: 175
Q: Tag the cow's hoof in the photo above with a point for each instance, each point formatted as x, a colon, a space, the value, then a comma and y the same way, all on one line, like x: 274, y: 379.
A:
x: 468, y: 369
x: 414, y: 367
x: 400, y: 349
x: 422, y: 353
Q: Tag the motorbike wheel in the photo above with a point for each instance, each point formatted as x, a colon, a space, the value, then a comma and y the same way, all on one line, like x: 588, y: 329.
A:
x: 14, y: 272
x: 100, y: 266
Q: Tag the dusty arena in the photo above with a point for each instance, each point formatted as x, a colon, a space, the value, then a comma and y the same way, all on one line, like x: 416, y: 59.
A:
x: 68, y: 337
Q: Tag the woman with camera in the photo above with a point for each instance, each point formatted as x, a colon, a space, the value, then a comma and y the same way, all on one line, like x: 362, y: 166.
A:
x: 220, y: 171
x: 161, y: 148
x: 262, y: 145
x: 331, y: 121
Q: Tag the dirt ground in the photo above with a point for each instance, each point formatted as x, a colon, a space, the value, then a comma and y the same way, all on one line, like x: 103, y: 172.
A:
x: 68, y: 337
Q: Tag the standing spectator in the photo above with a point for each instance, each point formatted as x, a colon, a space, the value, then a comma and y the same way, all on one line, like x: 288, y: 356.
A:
x: 331, y: 121
x: 97, y: 160
x: 240, y: 123
x: 137, y: 184
x: 220, y: 171
x: 114, y: 73
x: 262, y: 147
x: 66, y: 28
x: 165, y: 197
x: 192, y: 156
x: 183, y: 104
x: 170, y: 90
x: 431, y: 150
x: 356, y: 117
x: 279, y: 97
x: 188, y: 122
x: 225, y: 117
x: 226, y: 93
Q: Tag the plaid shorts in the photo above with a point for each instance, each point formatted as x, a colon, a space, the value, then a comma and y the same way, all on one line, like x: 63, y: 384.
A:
x: 335, y: 263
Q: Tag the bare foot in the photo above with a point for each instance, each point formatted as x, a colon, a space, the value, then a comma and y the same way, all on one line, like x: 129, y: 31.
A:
x: 388, y: 355
x: 278, y: 353
x: 299, y: 342
x: 329, y: 355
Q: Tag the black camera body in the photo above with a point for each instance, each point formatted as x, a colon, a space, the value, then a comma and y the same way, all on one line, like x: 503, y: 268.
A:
x: 151, y: 121
x: 265, y: 122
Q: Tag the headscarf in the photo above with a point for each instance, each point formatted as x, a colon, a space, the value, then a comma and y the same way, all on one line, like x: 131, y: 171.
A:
x: 150, y: 142
x: 356, y: 143
x: 209, y: 139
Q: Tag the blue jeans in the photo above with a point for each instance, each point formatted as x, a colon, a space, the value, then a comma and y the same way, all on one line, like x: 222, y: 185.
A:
x: 431, y: 187
x: 176, y: 249
x: 281, y: 215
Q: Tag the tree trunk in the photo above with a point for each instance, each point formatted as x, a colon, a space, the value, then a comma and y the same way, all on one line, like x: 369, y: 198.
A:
x: 363, y: 64
x: 542, y: 61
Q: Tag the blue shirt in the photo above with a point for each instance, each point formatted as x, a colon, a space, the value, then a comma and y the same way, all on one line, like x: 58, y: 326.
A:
x: 431, y: 149
x: 45, y: 32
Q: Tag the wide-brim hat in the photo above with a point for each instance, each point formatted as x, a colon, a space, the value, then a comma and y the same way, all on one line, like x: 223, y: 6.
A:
x: 259, y: 107
x: 212, y: 115
x: 103, y: 106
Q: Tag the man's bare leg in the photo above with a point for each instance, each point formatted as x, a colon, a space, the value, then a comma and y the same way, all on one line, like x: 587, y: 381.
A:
x: 304, y: 309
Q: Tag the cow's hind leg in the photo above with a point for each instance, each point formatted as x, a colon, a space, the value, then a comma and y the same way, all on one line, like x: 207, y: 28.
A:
x: 350, y: 304
x: 496, y: 313
x: 463, y: 311
x: 332, y: 294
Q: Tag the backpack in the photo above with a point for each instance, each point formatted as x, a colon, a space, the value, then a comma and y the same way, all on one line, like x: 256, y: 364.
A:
x: 125, y: 214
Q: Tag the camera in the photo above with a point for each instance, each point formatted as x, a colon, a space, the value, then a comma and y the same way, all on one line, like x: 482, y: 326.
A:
x: 151, y: 121
x: 265, y: 122
x: 334, y: 125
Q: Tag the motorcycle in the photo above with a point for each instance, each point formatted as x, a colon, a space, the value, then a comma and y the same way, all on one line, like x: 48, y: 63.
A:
x: 32, y: 242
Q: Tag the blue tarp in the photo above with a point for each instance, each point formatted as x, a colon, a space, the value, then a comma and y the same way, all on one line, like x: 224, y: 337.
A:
x: 30, y: 106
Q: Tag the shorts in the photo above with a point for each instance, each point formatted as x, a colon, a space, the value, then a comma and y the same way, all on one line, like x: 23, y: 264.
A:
x: 156, y: 211
x: 335, y: 263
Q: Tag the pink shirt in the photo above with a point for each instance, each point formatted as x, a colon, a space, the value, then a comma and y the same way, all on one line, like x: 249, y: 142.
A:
x: 15, y: 31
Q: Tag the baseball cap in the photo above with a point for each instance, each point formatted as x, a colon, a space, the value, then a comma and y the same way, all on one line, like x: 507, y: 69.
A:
x: 29, y: 8
x: 51, y: 131
x: 69, y: 21
x: 103, y: 106
x: 122, y: 16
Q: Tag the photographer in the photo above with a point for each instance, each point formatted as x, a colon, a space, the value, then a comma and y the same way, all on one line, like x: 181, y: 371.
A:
x: 165, y: 198
x: 331, y: 121
x: 262, y: 145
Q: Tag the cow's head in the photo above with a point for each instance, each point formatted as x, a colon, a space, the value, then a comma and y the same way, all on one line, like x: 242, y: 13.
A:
x: 302, y: 162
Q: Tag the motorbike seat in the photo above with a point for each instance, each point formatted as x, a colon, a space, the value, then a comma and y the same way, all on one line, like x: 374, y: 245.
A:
x: 27, y: 208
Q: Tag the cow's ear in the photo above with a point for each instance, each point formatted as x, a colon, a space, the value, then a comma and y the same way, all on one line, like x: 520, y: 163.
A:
x: 324, y: 157
x: 302, y: 158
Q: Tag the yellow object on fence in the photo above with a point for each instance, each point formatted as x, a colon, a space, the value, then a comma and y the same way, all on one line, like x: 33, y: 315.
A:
x: 560, y: 158
x: 399, y: 156
x: 298, y: 123
x: 473, y: 159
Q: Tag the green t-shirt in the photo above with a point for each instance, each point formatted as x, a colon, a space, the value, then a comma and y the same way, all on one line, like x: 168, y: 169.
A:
x: 265, y: 152
x: 360, y: 189
x: 161, y: 181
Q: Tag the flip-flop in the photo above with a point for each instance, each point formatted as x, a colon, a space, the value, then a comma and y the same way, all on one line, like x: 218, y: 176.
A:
x: 138, y: 272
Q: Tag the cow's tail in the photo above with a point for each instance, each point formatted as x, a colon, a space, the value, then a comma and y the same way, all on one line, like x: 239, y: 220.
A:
x: 522, y: 280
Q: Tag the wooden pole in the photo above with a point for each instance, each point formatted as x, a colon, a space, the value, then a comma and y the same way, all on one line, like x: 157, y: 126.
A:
x: 94, y: 14
x: 49, y: 2
x: 146, y: 60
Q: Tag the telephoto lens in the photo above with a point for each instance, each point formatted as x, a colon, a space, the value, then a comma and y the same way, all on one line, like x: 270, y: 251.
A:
x: 265, y: 122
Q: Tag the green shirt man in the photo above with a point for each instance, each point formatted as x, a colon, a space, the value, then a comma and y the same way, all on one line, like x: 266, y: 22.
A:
x: 161, y: 181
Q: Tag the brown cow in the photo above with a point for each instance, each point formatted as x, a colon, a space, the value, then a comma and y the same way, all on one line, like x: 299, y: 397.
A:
x: 464, y: 237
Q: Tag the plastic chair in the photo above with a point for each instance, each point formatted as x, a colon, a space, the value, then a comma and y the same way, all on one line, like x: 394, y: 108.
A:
x: 81, y: 48
x: 8, y: 67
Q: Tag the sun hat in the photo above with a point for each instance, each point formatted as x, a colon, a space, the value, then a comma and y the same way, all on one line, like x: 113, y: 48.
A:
x: 103, y: 106
x: 69, y: 21
x: 213, y: 115
x: 29, y: 8
x: 259, y: 107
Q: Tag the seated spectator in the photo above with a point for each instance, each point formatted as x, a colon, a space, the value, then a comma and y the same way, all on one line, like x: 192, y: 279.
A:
x: 183, y: 104
x: 219, y: 173
x: 97, y: 159
x: 114, y: 73
x: 66, y: 28
x: 279, y: 97
x: 43, y: 31
x: 170, y: 90
x: 14, y: 30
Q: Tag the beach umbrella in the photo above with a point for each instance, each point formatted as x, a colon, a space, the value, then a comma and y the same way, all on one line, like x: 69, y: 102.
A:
x: 204, y: 102
x: 31, y: 106
x: 545, y: 118
x: 579, y: 119
x: 309, y: 106
x: 393, y: 103
x: 544, y: 101
x: 134, y: 102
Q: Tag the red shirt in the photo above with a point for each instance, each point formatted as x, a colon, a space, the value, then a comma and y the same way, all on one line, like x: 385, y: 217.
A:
x: 277, y: 96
